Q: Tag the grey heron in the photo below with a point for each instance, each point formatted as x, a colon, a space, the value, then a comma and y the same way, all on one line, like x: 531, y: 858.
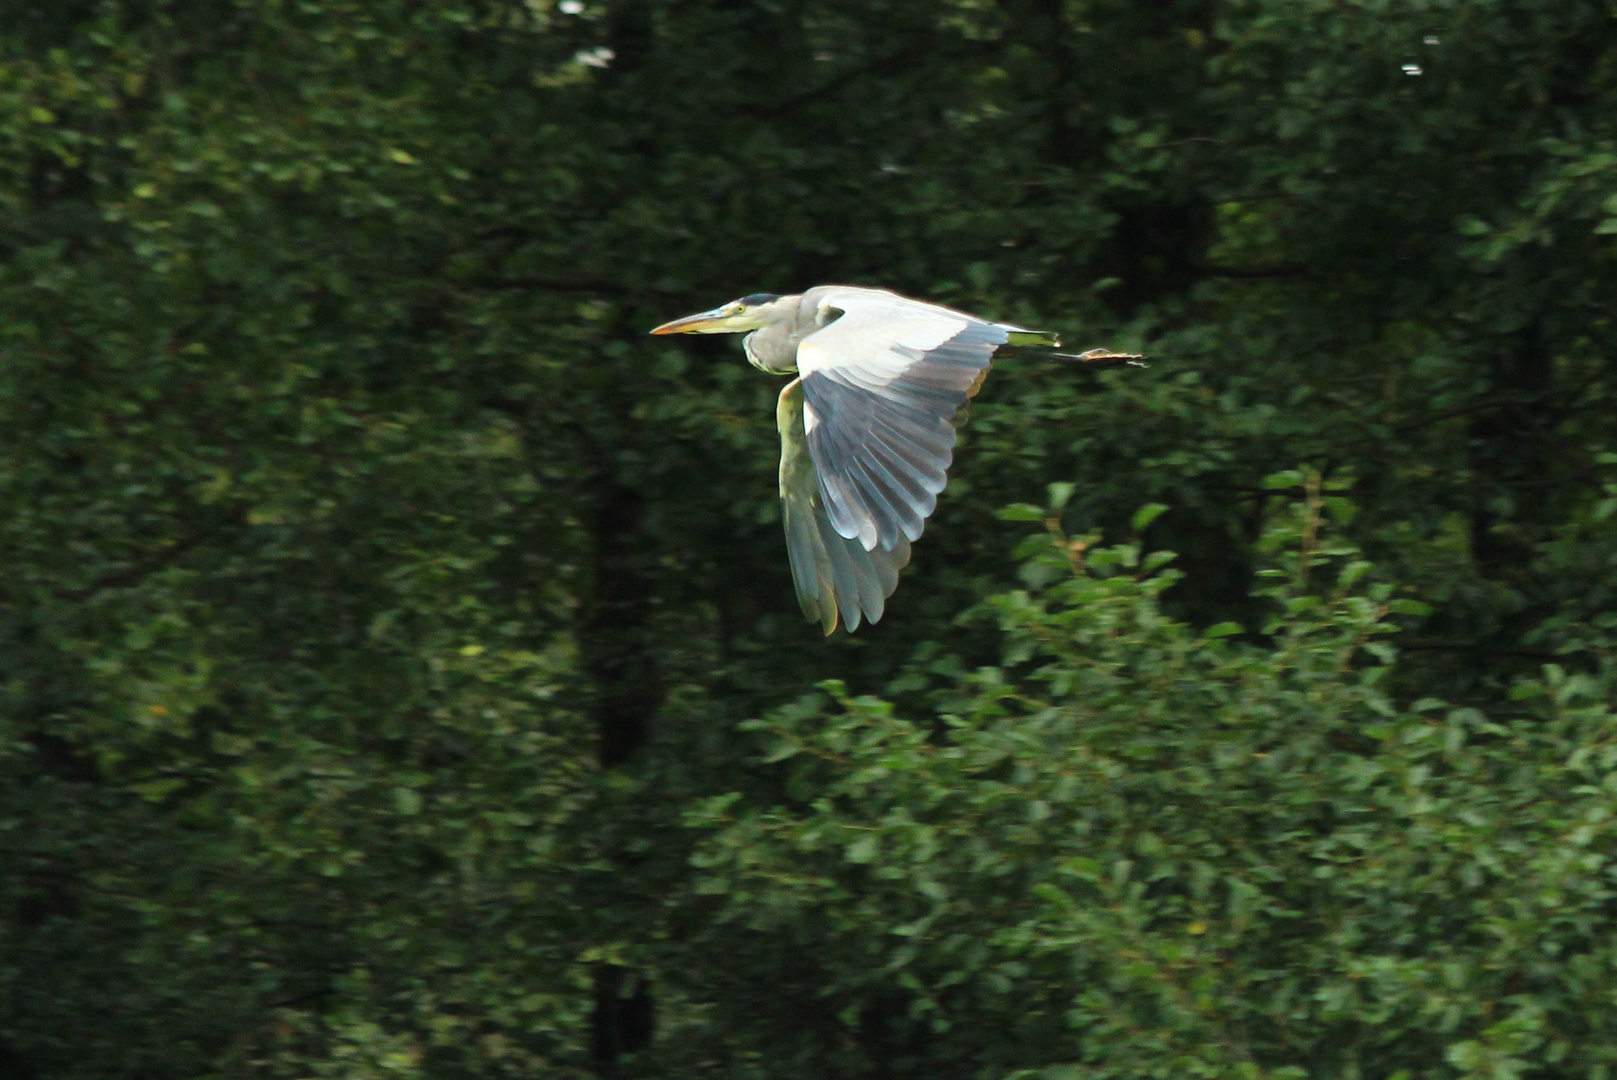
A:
x: 867, y: 429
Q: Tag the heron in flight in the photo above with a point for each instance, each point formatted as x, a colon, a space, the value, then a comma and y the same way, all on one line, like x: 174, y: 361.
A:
x: 867, y: 429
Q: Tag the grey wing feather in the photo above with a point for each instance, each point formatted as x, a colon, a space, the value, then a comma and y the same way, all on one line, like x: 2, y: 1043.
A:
x: 834, y: 575
x: 880, y: 423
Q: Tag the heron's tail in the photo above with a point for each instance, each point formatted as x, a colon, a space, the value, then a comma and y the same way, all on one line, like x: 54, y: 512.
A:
x: 1021, y: 336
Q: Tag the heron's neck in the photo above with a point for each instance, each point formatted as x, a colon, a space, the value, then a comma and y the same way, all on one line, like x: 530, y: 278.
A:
x: 772, y: 349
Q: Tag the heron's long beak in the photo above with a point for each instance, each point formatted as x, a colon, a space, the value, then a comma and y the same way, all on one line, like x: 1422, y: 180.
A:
x: 716, y: 321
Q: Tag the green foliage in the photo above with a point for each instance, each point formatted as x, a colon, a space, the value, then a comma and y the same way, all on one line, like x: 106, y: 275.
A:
x: 351, y: 520
x: 1142, y: 850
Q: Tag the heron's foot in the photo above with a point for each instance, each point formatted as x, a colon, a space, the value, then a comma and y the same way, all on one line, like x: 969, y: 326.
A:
x: 1103, y: 358
x: 1108, y: 358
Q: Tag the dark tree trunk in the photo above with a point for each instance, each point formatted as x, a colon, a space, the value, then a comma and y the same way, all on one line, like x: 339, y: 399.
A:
x: 615, y: 642
x: 1512, y: 453
x: 624, y: 1018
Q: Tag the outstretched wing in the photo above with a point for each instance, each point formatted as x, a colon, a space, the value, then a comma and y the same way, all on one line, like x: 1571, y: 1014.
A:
x: 881, y: 383
x: 833, y: 574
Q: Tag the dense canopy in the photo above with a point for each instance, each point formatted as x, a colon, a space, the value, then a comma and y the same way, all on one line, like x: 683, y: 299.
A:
x: 399, y: 670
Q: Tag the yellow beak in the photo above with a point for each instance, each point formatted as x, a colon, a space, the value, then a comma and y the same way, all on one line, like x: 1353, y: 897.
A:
x: 708, y: 322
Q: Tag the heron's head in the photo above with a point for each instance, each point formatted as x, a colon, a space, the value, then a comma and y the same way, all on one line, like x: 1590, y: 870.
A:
x: 737, y: 317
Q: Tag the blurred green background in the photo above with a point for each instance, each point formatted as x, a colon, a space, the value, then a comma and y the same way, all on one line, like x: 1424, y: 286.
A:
x: 399, y: 669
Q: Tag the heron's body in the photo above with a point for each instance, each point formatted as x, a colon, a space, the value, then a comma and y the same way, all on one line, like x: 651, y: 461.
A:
x: 867, y: 427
